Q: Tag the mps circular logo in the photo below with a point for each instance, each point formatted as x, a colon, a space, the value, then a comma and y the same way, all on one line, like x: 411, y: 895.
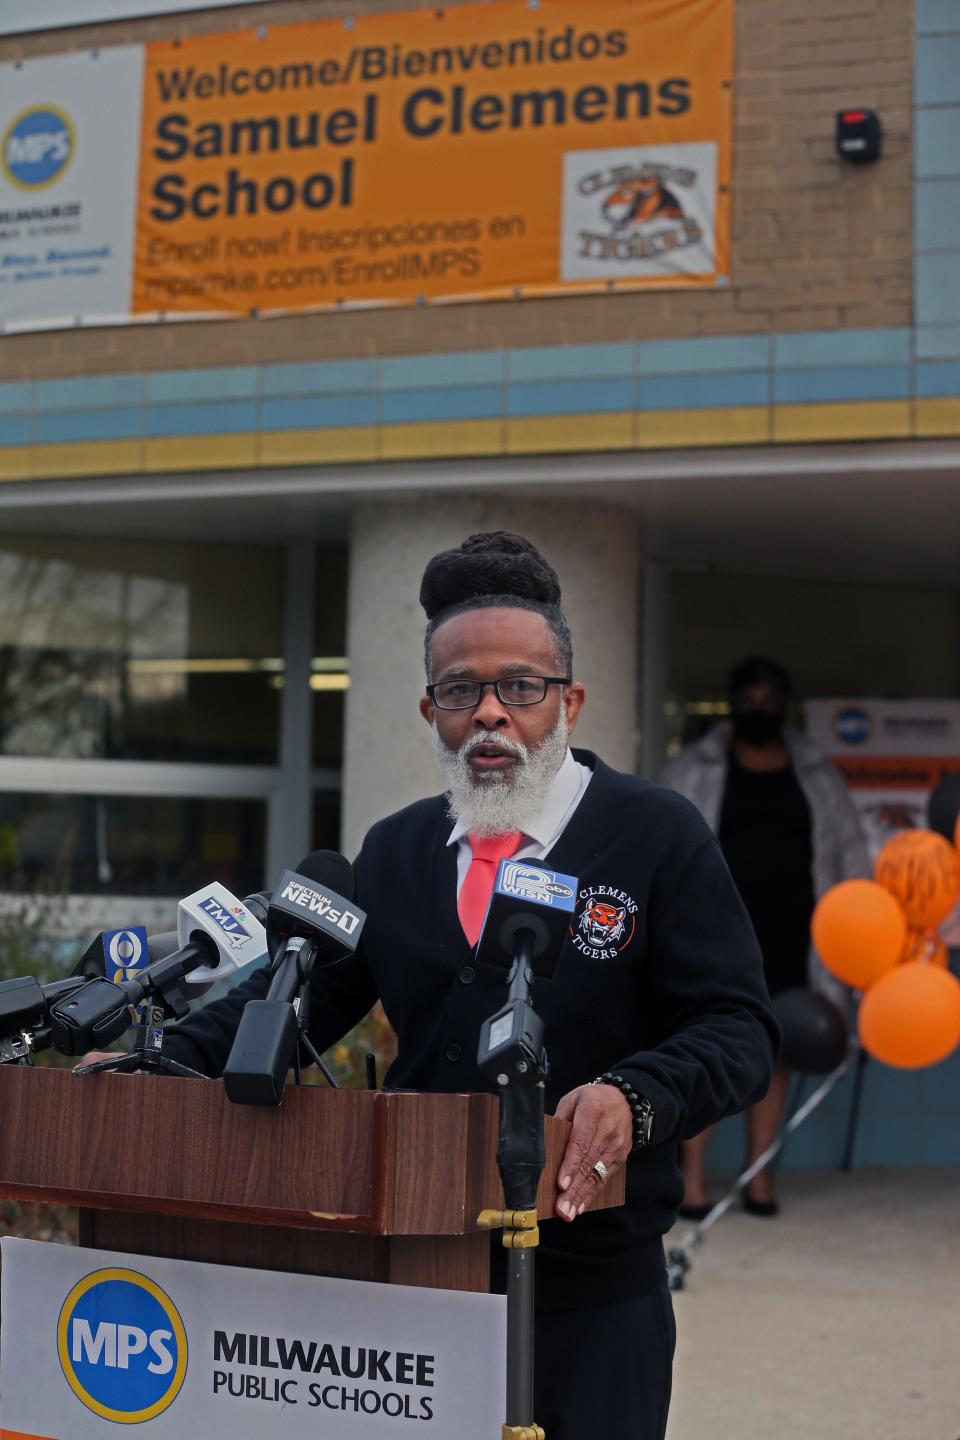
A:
x: 37, y: 147
x: 122, y: 1346
x: 853, y: 725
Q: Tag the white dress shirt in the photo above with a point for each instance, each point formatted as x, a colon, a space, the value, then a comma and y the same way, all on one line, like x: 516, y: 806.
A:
x: 542, y: 831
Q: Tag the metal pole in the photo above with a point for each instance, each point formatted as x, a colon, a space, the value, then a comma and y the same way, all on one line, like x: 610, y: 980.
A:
x: 853, y: 1116
x: 520, y: 1301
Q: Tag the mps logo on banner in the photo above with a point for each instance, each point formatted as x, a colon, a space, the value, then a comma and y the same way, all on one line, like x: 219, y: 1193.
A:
x: 37, y: 147
x: 523, y: 881
x: 125, y: 953
x: 122, y: 1346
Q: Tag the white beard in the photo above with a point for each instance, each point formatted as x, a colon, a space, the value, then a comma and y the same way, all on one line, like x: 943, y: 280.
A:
x: 499, y: 801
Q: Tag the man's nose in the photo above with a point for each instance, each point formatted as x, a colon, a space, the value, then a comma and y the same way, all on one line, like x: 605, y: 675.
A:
x: 490, y: 712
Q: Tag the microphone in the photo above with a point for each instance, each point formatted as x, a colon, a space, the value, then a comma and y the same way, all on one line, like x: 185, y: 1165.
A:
x: 234, y: 926
x: 527, y: 897
x: 119, y: 954
x: 524, y: 928
x: 24, y: 1015
x: 312, y: 920
x: 216, y: 933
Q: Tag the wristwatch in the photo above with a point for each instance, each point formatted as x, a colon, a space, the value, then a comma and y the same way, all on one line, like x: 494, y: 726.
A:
x: 640, y: 1107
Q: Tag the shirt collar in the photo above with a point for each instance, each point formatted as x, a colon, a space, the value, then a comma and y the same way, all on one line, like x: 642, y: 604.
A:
x: 542, y: 827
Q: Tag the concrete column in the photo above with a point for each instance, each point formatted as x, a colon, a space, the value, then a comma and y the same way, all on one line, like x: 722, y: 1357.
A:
x: 388, y: 760
x: 289, y: 818
x: 653, y: 677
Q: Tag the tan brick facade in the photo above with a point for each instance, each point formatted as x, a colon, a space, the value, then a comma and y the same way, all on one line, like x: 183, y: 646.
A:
x: 816, y: 244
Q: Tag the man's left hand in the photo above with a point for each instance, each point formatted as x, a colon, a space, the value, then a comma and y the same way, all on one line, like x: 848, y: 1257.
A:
x: 602, y: 1130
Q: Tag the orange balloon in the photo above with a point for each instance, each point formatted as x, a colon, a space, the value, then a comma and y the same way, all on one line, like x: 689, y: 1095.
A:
x: 922, y: 870
x: 925, y: 947
x: 859, y: 931
x: 911, y: 1017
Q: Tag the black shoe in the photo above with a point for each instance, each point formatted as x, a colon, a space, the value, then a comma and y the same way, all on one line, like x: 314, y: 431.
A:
x: 695, y: 1212
x: 765, y: 1209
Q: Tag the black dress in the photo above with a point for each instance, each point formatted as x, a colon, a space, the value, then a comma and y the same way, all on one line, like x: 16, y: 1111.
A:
x: 766, y: 837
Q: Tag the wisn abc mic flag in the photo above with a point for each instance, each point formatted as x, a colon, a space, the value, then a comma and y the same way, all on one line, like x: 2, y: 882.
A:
x: 92, y: 1341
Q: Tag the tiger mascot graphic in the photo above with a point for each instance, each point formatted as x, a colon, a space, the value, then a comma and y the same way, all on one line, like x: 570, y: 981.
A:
x: 602, y: 924
x: 641, y: 200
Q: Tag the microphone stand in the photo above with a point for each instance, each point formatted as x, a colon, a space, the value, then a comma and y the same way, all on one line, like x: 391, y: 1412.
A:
x: 512, y: 1053
x: 162, y: 996
x: 302, y: 1007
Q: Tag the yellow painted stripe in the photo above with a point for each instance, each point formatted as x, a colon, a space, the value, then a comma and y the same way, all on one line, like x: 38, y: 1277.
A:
x: 848, y: 420
x: 92, y: 457
x: 16, y: 462
x: 667, y: 429
x: 553, y: 433
x: 937, y: 416
x: 201, y: 452
x: 441, y: 437
x: 318, y: 447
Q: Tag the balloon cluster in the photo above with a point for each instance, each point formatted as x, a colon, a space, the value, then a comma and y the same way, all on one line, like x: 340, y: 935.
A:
x: 881, y: 937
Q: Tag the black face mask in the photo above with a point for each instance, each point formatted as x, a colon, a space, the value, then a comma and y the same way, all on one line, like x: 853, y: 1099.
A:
x: 757, y: 727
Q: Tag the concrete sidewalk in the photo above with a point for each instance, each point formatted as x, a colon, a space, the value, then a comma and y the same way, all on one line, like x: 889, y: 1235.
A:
x: 838, y: 1320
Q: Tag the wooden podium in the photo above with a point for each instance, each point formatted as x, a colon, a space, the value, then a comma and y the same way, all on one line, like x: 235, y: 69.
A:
x: 351, y: 1183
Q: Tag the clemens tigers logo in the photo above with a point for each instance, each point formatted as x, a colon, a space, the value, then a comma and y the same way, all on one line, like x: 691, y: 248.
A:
x: 604, y: 923
x: 122, y: 1346
x: 641, y: 211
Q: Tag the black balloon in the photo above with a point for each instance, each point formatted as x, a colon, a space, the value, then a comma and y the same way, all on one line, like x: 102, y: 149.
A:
x: 814, y: 1031
x: 943, y: 807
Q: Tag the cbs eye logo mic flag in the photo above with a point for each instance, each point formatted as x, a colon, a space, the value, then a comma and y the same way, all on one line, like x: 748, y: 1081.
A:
x: 125, y: 953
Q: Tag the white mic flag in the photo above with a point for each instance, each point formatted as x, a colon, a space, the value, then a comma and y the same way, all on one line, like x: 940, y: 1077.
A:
x: 237, y: 934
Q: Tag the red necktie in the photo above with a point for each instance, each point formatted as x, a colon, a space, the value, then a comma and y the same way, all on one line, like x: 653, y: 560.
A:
x: 478, y: 881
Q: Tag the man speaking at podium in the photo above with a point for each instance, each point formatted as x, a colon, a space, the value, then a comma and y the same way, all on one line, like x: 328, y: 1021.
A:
x: 659, y: 989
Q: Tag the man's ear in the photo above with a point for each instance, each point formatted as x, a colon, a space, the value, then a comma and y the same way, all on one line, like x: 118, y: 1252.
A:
x: 573, y: 697
x: 427, y: 709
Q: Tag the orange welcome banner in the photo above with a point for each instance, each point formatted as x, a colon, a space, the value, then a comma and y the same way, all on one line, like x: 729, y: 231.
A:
x: 488, y: 151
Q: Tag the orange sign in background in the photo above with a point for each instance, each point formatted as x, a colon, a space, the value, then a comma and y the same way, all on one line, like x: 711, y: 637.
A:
x: 487, y: 151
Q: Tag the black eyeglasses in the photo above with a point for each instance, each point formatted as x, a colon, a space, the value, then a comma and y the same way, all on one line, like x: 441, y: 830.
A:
x: 511, y: 690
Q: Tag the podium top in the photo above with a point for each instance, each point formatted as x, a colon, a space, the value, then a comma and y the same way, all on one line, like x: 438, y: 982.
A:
x: 368, y: 1162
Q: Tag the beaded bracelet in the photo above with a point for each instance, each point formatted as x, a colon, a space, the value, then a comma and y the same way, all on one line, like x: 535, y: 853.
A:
x: 640, y: 1107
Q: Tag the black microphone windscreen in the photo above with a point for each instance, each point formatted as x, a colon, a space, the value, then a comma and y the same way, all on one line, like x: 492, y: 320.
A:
x: 330, y: 869
x: 160, y: 946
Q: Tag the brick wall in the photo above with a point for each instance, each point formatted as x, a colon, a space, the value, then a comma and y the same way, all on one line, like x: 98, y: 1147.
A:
x: 816, y: 244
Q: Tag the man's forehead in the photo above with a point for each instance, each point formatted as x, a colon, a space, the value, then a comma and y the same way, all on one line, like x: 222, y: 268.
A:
x: 503, y: 636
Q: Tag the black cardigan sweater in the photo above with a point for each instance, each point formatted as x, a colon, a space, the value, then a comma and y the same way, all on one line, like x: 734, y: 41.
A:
x: 660, y: 980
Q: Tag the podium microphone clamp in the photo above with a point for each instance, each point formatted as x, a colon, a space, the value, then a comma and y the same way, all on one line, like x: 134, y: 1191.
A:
x: 520, y: 1228
x: 522, y: 1432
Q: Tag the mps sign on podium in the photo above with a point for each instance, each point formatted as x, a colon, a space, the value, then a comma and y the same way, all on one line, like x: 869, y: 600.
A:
x: 189, y: 1349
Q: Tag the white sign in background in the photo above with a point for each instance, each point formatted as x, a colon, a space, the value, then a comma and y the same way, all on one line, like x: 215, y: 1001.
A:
x: 893, y: 751
x: 69, y: 161
x: 21, y: 16
x: 184, y: 1349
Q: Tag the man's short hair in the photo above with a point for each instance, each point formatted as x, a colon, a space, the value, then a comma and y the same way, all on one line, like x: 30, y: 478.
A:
x: 494, y: 569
